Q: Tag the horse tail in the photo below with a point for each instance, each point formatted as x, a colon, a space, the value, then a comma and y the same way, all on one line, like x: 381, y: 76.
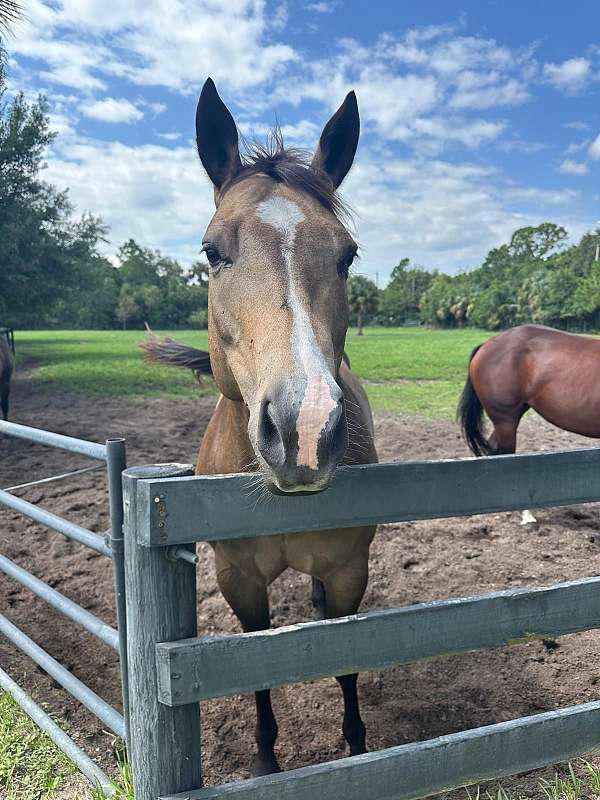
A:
x: 170, y: 351
x: 470, y: 415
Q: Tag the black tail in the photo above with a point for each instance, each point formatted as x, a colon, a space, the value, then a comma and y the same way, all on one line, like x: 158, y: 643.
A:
x: 470, y: 415
x: 169, y: 351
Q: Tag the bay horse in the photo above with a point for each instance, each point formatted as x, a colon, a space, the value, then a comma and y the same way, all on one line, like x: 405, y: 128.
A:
x: 6, y: 369
x: 531, y: 366
x: 556, y: 374
x: 290, y: 408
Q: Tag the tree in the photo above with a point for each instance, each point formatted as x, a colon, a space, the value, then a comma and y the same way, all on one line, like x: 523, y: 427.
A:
x: 401, y: 298
x: 363, y: 299
x: 128, y: 306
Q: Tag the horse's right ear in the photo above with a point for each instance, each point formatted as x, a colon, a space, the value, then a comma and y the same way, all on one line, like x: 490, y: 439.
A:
x: 216, y: 136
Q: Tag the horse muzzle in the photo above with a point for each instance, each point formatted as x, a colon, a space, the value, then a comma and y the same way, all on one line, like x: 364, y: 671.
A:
x: 301, y: 444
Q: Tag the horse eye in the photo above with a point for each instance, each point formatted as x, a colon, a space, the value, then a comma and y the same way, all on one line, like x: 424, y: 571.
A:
x: 345, y: 264
x: 215, y: 259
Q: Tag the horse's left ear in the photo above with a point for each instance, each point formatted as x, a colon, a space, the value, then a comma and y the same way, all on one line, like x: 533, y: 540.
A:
x: 337, y: 145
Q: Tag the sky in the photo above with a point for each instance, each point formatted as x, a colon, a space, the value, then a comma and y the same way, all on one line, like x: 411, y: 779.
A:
x: 478, y: 117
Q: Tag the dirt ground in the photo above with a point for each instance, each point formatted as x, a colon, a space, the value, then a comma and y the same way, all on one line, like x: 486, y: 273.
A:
x: 410, y: 562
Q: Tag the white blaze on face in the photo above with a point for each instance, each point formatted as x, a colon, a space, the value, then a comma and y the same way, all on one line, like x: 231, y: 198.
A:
x: 318, y: 402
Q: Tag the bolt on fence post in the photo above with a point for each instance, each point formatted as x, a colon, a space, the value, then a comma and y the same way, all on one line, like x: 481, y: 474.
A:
x: 161, y: 606
x: 116, y: 463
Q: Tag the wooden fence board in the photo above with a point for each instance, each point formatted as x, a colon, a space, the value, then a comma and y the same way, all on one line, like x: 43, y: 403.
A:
x: 214, y: 666
x: 417, y: 770
x: 183, y: 510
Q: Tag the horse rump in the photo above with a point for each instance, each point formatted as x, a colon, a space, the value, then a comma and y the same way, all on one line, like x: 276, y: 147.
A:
x: 470, y: 416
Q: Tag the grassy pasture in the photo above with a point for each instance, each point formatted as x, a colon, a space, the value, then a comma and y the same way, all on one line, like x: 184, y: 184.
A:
x: 406, y: 370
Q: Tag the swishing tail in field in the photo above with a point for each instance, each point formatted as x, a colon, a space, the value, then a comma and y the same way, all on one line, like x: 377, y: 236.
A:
x: 6, y: 369
x: 555, y: 373
x: 175, y: 354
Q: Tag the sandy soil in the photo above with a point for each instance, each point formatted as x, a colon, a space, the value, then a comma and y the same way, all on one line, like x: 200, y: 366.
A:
x: 410, y: 562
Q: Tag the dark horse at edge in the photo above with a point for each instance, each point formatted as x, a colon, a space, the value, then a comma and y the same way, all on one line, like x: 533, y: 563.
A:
x: 6, y: 369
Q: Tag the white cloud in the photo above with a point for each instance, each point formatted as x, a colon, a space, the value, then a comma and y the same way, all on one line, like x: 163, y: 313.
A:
x: 544, y: 197
x: 153, y: 193
x: 323, y: 7
x: 517, y: 145
x: 170, y: 136
x: 577, y: 125
x: 574, y: 167
x: 112, y: 109
x: 440, y: 214
x: 570, y: 76
x: 176, y: 45
x: 510, y: 93
x: 594, y: 151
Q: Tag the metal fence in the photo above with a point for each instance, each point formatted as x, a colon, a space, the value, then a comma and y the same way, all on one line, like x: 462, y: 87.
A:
x: 113, y: 454
x: 172, y: 668
x: 167, y: 669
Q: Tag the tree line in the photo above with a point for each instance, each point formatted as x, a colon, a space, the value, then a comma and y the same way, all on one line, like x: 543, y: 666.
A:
x: 535, y: 277
x: 53, y: 273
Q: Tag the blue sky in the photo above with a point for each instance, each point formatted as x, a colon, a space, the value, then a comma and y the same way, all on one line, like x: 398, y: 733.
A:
x: 477, y: 117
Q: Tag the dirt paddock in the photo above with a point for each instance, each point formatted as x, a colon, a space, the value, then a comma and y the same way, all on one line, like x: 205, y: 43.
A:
x: 410, y: 562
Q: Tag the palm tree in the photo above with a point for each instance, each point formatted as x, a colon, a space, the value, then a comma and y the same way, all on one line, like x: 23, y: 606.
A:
x: 10, y: 12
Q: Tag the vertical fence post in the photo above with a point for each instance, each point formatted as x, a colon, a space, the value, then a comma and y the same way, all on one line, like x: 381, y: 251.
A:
x: 161, y: 606
x: 116, y: 463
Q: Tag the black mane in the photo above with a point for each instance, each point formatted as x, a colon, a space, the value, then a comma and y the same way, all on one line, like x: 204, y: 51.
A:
x: 290, y: 166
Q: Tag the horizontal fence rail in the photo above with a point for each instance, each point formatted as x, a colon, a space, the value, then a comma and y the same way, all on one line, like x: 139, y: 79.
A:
x: 211, y: 508
x: 85, y: 764
x: 63, y: 604
x: 417, y: 770
x: 113, y: 456
x: 86, y: 696
x: 50, y: 520
x: 90, y: 449
x: 217, y: 666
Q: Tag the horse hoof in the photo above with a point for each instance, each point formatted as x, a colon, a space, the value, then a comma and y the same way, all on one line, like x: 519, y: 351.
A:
x: 265, y: 766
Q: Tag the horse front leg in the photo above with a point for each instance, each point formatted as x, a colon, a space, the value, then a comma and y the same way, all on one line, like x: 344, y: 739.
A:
x: 344, y: 590
x: 249, y: 601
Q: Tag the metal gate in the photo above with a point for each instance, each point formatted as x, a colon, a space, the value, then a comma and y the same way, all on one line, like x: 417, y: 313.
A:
x: 173, y: 669
x: 111, y: 546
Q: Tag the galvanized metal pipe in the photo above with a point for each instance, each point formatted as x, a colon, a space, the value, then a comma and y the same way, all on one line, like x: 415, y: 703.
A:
x: 63, y: 604
x: 91, y: 770
x: 99, y: 707
x: 116, y: 463
x: 52, y: 478
x: 90, y: 449
x: 68, y: 529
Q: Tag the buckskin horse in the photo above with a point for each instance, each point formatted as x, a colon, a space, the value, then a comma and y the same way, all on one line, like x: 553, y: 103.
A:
x: 290, y: 408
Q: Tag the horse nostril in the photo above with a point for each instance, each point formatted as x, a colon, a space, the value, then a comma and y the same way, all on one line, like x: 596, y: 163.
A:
x: 270, y: 441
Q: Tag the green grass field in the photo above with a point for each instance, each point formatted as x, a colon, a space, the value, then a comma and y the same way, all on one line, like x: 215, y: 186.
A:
x: 406, y: 370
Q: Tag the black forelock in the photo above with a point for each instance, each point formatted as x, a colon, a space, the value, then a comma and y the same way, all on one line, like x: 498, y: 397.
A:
x: 290, y: 166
